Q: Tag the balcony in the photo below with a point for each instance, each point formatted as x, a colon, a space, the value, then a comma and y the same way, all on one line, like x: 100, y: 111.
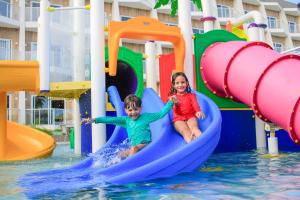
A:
x: 292, y: 11
x: 252, y: 2
x: 9, y: 15
x: 294, y: 31
x: 276, y: 27
x: 5, y: 53
x: 139, y: 4
x: 295, y: 51
x: 32, y: 14
x: 9, y: 53
x: 31, y: 55
x: 195, y: 12
x: 165, y: 9
x: 274, y: 6
x: 31, y: 18
x: 226, y: 13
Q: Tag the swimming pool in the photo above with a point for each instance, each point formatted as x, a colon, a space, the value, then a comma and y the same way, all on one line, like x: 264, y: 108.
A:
x: 243, y: 175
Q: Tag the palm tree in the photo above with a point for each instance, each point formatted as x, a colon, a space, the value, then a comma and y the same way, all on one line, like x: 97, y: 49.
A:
x: 40, y: 101
x: 174, y: 5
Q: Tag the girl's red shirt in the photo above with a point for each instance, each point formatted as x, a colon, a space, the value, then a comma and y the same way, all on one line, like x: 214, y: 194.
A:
x: 186, y: 108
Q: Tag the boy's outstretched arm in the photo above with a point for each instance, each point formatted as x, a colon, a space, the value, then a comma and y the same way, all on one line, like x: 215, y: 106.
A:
x: 118, y: 121
x: 162, y: 113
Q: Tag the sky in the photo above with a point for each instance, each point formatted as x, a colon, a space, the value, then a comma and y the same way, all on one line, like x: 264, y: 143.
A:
x: 294, y: 1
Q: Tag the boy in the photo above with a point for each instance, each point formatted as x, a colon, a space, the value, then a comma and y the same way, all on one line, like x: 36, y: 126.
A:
x: 136, y: 124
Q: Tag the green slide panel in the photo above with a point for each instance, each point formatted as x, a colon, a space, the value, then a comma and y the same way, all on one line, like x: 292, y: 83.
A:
x: 135, y: 61
x: 201, y: 42
x: 72, y: 137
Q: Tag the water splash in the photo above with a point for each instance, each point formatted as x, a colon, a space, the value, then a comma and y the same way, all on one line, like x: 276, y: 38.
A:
x: 110, y: 155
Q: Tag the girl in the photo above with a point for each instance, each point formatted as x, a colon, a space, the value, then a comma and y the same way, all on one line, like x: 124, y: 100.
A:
x: 137, y: 124
x: 186, y: 108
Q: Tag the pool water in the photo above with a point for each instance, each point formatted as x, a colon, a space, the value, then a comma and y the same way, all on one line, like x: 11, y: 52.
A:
x: 11, y: 171
x: 243, y: 175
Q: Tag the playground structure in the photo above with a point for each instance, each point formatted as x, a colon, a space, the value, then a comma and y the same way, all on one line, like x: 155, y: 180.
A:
x: 154, y: 162
x: 19, y: 142
x: 168, y: 155
x: 269, y: 75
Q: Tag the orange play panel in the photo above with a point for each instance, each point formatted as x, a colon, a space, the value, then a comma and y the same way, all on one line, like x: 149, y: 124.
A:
x: 143, y: 28
x: 18, y: 142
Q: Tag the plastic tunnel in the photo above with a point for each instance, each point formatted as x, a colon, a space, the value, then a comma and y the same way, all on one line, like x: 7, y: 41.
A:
x: 129, y: 74
x: 251, y: 72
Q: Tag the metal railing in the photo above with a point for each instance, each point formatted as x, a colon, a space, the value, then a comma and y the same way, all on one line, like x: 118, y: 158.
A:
x: 41, y: 116
x: 5, y: 53
x: 9, y: 53
x: 32, y: 14
x: 31, y: 55
x: 275, y: 24
x: 228, y: 12
x: 295, y: 50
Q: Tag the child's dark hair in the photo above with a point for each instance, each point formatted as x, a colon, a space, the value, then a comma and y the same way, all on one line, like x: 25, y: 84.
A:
x: 132, y: 101
x: 174, y: 76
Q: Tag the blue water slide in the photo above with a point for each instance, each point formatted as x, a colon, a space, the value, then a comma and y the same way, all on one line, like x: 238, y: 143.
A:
x: 167, y: 154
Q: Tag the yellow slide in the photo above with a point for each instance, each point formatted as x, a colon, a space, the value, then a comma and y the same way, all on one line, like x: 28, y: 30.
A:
x: 18, y: 142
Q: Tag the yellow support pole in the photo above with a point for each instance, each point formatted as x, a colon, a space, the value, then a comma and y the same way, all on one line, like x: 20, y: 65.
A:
x: 2, y: 124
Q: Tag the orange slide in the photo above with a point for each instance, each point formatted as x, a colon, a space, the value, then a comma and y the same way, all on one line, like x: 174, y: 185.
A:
x: 18, y: 142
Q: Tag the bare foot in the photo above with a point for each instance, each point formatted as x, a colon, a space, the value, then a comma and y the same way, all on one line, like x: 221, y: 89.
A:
x: 188, y: 139
x: 196, y: 135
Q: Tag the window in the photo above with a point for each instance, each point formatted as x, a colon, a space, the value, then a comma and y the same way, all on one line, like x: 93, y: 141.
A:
x: 292, y: 27
x: 57, y: 111
x: 272, y: 22
x: 5, y: 8
x: 5, y: 49
x: 46, y: 110
x: 40, y: 111
x: 34, y: 11
x: 125, y: 18
x: 223, y: 11
x: 277, y: 47
x: 197, y: 30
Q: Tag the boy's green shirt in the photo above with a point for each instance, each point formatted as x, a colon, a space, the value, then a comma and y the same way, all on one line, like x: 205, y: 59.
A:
x: 138, y: 130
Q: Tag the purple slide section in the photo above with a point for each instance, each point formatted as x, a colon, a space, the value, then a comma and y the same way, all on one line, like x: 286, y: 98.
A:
x: 253, y: 73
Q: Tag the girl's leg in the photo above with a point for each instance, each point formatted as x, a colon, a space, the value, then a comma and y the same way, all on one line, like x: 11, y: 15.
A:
x: 182, y: 128
x: 135, y: 149
x: 193, y: 125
